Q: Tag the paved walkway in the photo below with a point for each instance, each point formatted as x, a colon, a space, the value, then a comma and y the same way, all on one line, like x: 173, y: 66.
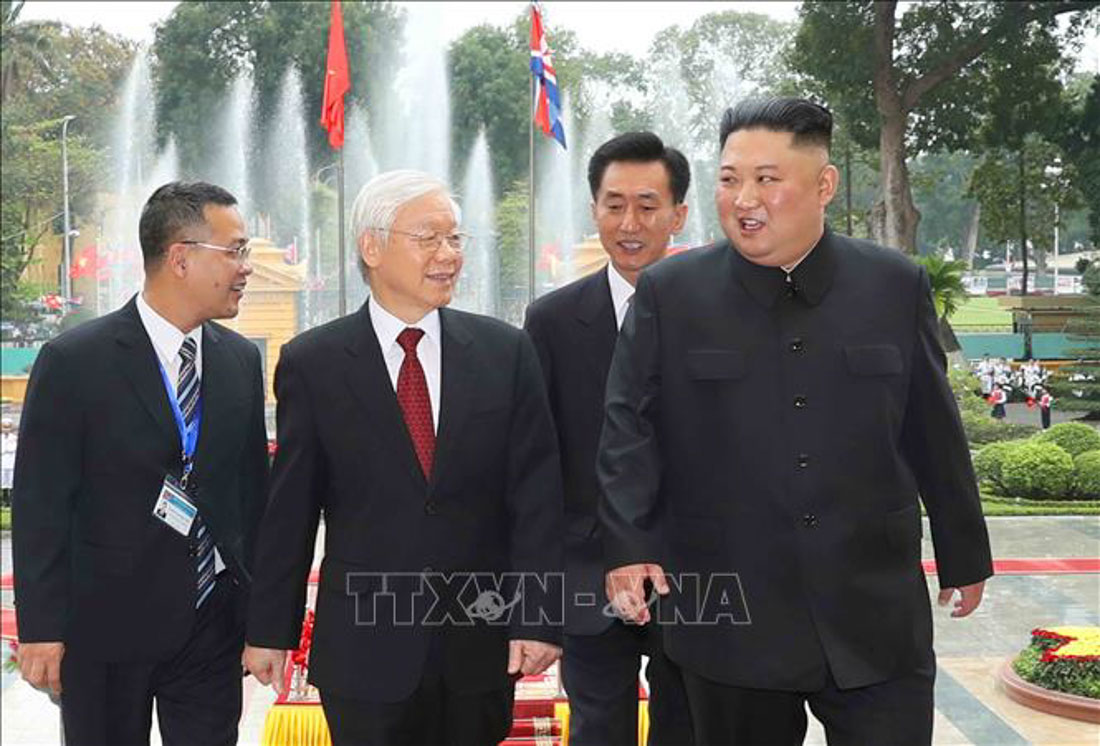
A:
x: 970, y: 709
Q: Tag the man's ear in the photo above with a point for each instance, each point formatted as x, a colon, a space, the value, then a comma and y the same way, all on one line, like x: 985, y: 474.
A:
x: 681, y: 211
x: 370, y: 249
x: 175, y: 259
x: 827, y: 184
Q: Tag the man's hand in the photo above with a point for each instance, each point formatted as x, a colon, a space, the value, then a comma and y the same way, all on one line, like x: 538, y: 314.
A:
x: 970, y: 598
x: 267, y: 665
x: 40, y: 664
x: 529, y: 657
x: 625, y: 588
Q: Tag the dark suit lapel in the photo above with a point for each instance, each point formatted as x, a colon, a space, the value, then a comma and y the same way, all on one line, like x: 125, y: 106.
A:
x: 458, y: 381
x: 369, y: 382
x: 138, y: 362
x: 596, y: 317
x: 223, y: 389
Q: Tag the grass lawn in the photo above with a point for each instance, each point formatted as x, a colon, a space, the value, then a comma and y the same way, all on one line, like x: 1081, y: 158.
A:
x: 5, y: 519
x: 981, y: 312
x: 995, y: 505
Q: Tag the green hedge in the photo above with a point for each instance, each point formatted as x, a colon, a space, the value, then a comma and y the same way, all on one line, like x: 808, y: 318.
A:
x: 1037, y: 470
x: 989, y: 460
x: 1074, y: 437
x: 1086, y: 475
x: 982, y: 429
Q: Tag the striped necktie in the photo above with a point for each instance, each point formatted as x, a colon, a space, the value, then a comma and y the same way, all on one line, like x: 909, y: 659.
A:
x: 187, y: 394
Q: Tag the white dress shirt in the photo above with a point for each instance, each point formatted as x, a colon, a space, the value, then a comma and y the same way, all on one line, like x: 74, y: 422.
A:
x: 621, y: 293
x: 428, y: 349
x: 167, y: 340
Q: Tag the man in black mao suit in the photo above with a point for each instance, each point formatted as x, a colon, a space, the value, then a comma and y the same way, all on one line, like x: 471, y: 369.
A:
x: 638, y: 187
x: 793, y: 516
x: 424, y: 436
x: 117, y: 606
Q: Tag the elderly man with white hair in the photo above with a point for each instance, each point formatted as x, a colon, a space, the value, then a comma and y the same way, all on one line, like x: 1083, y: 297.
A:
x: 424, y: 436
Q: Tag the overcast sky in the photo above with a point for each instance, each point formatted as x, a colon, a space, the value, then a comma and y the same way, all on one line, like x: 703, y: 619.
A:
x: 600, y: 26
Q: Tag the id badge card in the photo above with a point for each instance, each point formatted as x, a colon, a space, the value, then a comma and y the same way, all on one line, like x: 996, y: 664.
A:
x: 174, y: 507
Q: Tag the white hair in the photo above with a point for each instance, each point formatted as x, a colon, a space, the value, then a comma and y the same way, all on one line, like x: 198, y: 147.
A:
x: 375, y: 207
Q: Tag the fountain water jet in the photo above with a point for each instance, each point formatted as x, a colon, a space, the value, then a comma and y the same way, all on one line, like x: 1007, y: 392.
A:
x: 477, y: 290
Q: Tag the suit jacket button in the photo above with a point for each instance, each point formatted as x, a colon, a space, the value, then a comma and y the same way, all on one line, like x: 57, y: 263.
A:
x: 796, y: 345
x: 809, y: 520
x: 430, y: 508
x: 803, y: 460
x: 800, y: 402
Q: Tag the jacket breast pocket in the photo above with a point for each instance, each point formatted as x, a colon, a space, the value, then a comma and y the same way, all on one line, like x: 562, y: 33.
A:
x: 873, y: 360
x: 716, y: 365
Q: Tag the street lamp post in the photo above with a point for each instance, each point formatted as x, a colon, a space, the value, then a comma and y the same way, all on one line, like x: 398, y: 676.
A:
x: 1053, y: 171
x: 66, y: 246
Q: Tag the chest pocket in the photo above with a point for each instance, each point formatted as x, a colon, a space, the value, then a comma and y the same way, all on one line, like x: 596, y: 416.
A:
x: 873, y: 360
x: 716, y: 365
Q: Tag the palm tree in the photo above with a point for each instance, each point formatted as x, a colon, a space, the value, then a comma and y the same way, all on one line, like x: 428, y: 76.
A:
x: 948, y: 291
x: 23, y: 47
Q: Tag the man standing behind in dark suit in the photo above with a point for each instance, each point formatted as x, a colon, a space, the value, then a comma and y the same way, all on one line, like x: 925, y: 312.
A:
x: 729, y: 420
x: 139, y: 484
x: 424, y: 435
x: 638, y: 187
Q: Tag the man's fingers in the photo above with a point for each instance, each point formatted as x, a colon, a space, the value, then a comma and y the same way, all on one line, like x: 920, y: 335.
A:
x: 945, y: 596
x: 657, y: 576
x: 515, y: 657
x: 53, y: 676
x: 277, y: 680
x: 631, y: 607
x: 33, y: 673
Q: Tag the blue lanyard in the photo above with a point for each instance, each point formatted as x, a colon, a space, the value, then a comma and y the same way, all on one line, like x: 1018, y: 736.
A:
x: 189, y: 436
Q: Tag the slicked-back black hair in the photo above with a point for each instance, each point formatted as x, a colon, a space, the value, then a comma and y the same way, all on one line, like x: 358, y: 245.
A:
x: 640, y: 147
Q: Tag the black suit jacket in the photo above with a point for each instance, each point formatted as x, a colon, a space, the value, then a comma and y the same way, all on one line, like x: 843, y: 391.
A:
x: 787, y: 429
x: 492, y: 506
x: 574, y: 332
x: 93, y: 567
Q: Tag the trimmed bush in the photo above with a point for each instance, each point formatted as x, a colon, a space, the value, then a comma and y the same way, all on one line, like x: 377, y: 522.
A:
x: 989, y: 460
x: 1086, y: 475
x: 1037, y: 470
x: 1074, y: 437
x: 981, y: 428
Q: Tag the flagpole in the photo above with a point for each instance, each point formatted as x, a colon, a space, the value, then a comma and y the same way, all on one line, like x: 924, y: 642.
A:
x: 342, y: 253
x: 531, y: 199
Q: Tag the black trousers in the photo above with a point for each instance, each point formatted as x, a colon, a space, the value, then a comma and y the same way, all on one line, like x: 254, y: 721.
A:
x: 600, y: 674
x: 433, y: 715
x: 197, y: 691
x: 898, y: 712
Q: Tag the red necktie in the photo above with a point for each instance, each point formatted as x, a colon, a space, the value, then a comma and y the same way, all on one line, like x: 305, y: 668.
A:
x: 412, y: 396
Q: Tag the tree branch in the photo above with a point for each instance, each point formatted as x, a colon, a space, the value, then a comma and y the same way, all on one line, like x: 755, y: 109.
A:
x: 1015, y: 15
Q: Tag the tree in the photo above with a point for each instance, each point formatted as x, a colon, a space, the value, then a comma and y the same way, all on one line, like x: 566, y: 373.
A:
x: 491, y: 83
x: 201, y: 46
x: 1080, y: 141
x: 24, y: 48
x: 490, y: 88
x: 919, y: 74
x: 940, y: 183
x: 85, y: 68
x: 1017, y: 193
